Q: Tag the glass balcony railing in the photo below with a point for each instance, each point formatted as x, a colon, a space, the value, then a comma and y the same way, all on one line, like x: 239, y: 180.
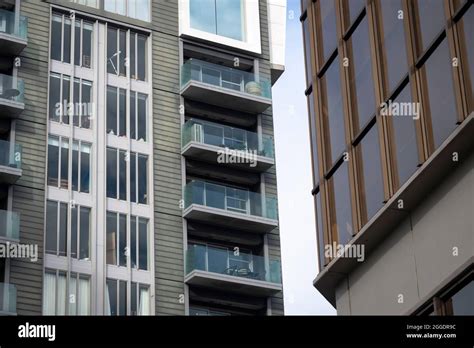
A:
x: 230, y: 199
x: 224, y: 261
x: 7, y: 25
x: 7, y: 298
x: 11, y: 88
x: 10, y: 154
x: 225, y: 77
x: 9, y: 225
x: 227, y: 137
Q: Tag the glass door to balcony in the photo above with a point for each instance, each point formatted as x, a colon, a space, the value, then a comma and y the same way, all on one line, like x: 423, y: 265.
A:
x: 237, y: 200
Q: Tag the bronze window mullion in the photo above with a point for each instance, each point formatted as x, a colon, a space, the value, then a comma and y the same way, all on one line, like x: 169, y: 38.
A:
x: 418, y: 81
x: 460, y: 85
x: 348, y: 98
x: 378, y: 77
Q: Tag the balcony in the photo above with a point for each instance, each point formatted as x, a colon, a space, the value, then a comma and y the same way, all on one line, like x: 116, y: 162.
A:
x: 10, y: 162
x: 221, y: 269
x: 7, y: 299
x: 229, y: 146
x: 227, y: 206
x: 9, y: 226
x: 13, y: 36
x: 226, y: 87
x: 11, y: 96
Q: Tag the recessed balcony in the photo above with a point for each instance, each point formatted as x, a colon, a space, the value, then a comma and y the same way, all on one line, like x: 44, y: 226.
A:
x: 227, y: 146
x: 7, y: 299
x: 9, y: 226
x: 226, y: 270
x: 10, y: 162
x: 13, y: 34
x: 228, y: 206
x: 225, y: 87
x: 11, y: 96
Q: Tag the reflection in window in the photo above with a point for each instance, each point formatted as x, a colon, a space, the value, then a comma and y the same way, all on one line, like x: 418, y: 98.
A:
x: 139, y: 243
x: 140, y: 299
x: 467, y: 33
x: 431, y: 20
x: 80, y: 232
x: 59, y: 98
x: 138, y: 116
x: 329, y: 29
x: 81, y: 157
x: 116, y: 51
x: 442, y: 101
x: 362, y: 70
x: 406, y: 150
x: 462, y: 303
x: 332, y: 109
x: 394, y: 42
x: 354, y: 7
x: 138, y: 9
x: 342, y: 219
x: 58, y: 162
x: 116, y: 239
x: 56, y: 37
x: 56, y: 228
x: 116, y: 111
x: 116, y: 297
x: 372, y: 171
x: 83, y: 43
x: 116, y: 174
x: 220, y: 17
x: 82, y: 101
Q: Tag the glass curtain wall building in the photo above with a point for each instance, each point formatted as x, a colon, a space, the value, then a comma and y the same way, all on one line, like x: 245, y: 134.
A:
x: 97, y: 99
x: 389, y: 89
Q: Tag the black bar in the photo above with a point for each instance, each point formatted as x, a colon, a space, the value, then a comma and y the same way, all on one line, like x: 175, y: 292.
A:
x: 224, y: 331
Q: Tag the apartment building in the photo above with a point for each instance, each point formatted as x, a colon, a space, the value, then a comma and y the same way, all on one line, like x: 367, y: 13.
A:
x: 390, y: 100
x: 137, y: 155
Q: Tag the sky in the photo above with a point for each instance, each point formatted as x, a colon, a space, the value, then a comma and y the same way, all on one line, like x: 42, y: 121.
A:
x: 293, y: 159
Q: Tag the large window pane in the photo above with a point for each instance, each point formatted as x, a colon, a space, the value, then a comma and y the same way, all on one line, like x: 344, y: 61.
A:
x: 54, y: 97
x: 141, y: 57
x: 53, y: 161
x: 51, y: 227
x: 463, y: 300
x: 431, y: 17
x: 75, y: 165
x: 62, y: 229
x: 332, y: 109
x: 64, y: 163
x: 313, y: 132
x: 229, y: 14
x: 133, y: 177
x: 122, y: 113
x: 467, y: 32
x: 111, y: 304
x: 86, y: 104
x: 142, y: 179
x: 202, y: 15
x: 394, y: 42
x: 74, y: 231
x: 372, y: 172
x: 87, y: 44
x: 133, y: 242
x: 405, y: 139
x: 111, y: 173
x: 122, y: 297
x: 84, y: 241
x: 67, y: 41
x: 56, y: 37
x: 112, y: 60
x: 362, y: 78
x: 85, y: 167
x: 307, y: 50
x: 122, y: 175
x: 441, y: 93
x: 342, y: 223
x: 319, y: 222
x: 66, y: 98
x: 354, y: 7
x: 122, y: 240
x: 112, y: 110
x: 142, y: 117
x: 112, y: 237
x: 143, y: 244
x: 77, y: 43
x: 122, y: 54
x: 329, y: 29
